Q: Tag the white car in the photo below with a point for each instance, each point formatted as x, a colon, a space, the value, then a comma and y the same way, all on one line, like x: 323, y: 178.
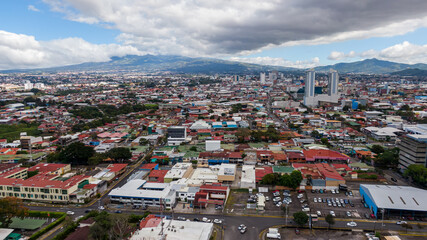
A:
x: 348, y: 214
x: 70, y: 213
x: 101, y: 208
x: 332, y: 213
x: 333, y: 191
x: 205, y: 219
x: 300, y: 195
x: 351, y: 224
x: 315, y: 200
x: 217, y: 221
x: 401, y: 222
x: 242, y: 226
x: 319, y: 213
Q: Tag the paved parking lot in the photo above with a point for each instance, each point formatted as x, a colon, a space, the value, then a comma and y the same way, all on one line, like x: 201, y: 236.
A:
x: 358, y: 211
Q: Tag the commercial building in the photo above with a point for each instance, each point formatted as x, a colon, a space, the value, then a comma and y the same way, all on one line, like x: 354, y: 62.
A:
x: 395, y: 200
x: 248, y: 177
x: 211, y: 194
x: 156, y: 228
x: 413, y: 150
x: 226, y: 173
x: 142, y: 193
x: 322, y: 175
x: 176, y: 135
x: 178, y: 171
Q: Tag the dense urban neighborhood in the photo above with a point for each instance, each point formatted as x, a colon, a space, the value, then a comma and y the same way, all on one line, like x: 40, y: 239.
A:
x: 271, y: 155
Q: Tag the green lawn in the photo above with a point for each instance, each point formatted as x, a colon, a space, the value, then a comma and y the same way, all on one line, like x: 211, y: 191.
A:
x: 12, y: 132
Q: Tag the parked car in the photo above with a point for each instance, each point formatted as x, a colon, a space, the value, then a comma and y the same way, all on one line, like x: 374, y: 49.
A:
x: 367, y: 215
x: 117, y: 211
x: 297, y: 232
x: 181, y: 218
x: 332, y: 213
x: 401, y: 222
x: 348, y: 214
x: 350, y: 193
x: 315, y: 200
x: 393, y: 179
x: 319, y: 213
x: 196, y: 220
x: 70, y: 213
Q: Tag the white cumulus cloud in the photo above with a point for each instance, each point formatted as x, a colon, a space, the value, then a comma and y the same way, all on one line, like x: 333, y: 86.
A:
x: 278, y: 61
x: 404, y: 52
x: 24, y: 51
x: 33, y: 8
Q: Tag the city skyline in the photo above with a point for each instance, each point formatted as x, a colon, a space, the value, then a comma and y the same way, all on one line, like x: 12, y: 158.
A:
x: 299, y: 34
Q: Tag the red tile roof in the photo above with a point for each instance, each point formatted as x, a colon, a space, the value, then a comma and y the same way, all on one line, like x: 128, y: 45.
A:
x: 117, y: 167
x: 235, y: 155
x: 261, y: 172
x: 150, y: 166
x: 47, y: 167
x: 159, y: 174
x: 313, y: 154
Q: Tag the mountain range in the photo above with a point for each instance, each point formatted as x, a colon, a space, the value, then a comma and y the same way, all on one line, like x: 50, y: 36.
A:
x: 180, y: 64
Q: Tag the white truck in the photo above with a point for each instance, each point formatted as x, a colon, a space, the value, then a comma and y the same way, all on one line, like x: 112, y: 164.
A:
x: 273, y: 233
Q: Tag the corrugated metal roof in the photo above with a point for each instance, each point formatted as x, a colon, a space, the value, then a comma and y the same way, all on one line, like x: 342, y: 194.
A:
x: 397, y: 197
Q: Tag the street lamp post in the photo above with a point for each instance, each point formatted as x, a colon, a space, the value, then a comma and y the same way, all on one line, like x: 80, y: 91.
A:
x: 382, y: 211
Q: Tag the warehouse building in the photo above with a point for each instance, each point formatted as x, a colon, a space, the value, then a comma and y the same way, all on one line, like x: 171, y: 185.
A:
x: 395, y: 200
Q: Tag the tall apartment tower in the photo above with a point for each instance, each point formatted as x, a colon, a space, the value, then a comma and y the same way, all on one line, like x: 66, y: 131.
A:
x: 262, y: 78
x: 333, y: 82
x: 310, y: 83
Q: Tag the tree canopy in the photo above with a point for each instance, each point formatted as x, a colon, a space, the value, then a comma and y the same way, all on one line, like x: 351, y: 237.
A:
x: 11, y: 207
x: 300, y: 218
x: 76, y: 153
x: 418, y: 173
x: 292, y: 180
x: 389, y: 158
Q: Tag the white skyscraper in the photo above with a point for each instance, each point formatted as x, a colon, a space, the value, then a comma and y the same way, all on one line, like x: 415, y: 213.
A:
x: 311, y: 99
x: 333, y: 82
x: 262, y: 78
x: 310, y: 83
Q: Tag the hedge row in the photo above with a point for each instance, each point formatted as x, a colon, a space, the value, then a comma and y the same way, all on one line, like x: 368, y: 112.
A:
x: 46, y: 214
x: 47, y: 228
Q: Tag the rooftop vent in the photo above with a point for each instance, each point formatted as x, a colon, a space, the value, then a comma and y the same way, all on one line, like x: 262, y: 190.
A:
x: 416, y: 201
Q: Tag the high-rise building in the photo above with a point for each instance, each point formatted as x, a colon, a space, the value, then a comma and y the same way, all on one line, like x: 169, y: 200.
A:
x: 310, y: 83
x: 413, y: 150
x: 313, y: 99
x: 333, y: 82
x: 262, y: 78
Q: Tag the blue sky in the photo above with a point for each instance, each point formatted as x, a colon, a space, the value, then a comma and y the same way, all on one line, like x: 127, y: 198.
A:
x: 301, y: 33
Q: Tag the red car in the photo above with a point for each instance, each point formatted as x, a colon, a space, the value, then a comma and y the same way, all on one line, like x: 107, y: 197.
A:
x: 296, y: 231
x: 301, y: 191
x: 372, y: 215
